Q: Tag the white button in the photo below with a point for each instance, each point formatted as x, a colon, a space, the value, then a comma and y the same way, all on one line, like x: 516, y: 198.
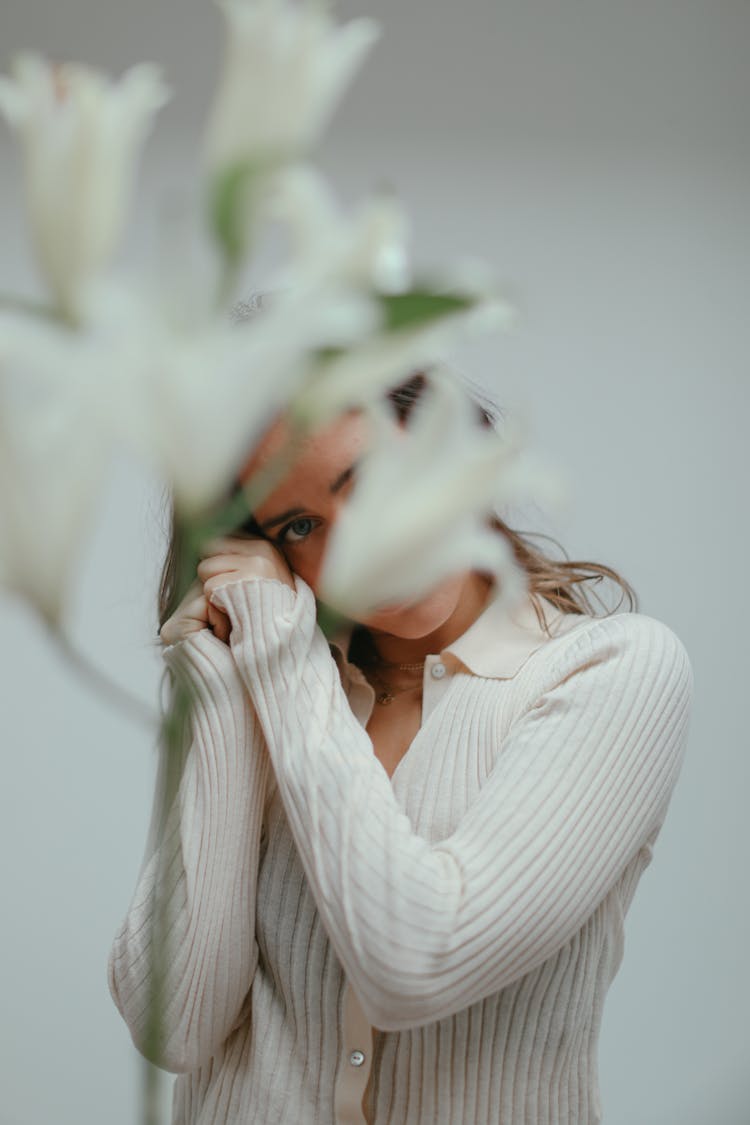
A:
x: 356, y: 1058
x: 438, y: 671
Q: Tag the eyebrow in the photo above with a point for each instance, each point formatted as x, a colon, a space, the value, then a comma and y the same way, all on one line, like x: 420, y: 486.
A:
x: 333, y: 488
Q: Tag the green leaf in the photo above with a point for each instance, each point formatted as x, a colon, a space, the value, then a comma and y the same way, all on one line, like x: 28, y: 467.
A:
x: 327, y: 355
x: 228, y: 210
x: 420, y: 306
x: 31, y: 308
x: 233, y: 194
x: 403, y: 311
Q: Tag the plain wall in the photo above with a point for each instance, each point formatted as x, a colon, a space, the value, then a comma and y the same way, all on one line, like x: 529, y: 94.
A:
x: 597, y: 155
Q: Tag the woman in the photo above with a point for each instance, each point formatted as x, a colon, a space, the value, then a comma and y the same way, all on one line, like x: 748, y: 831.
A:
x: 399, y: 864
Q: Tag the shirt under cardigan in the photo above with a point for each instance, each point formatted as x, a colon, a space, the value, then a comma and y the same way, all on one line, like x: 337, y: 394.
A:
x: 436, y: 946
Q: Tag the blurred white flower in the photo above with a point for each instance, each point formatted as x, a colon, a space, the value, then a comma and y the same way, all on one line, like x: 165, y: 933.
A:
x: 286, y: 66
x: 419, y: 509
x: 80, y: 134
x: 361, y: 374
x: 55, y: 450
x: 368, y: 249
x: 192, y: 393
x: 186, y: 392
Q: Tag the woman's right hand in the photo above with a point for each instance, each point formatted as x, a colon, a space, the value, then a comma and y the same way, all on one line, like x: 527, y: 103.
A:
x: 194, y: 613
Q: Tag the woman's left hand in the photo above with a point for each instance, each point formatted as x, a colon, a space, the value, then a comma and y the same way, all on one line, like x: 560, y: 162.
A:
x: 232, y: 558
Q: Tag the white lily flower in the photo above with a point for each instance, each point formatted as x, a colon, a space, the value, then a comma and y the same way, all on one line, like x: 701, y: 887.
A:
x: 420, y: 507
x: 80, y: 134
x: 189, y: 397
x: 360, y: 375
x: 193, y: 393
x: 55, y: 450
x: 286, y: 67
x: 367, y: 249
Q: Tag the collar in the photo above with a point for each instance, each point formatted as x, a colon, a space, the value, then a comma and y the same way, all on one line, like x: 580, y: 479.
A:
x: 499, y: 642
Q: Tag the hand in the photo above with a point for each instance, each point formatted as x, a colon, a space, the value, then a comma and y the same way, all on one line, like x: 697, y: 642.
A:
x: 193, y: 614
x: 232, y: 558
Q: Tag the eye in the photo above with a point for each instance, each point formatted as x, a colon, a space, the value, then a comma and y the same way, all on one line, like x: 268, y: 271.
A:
x: 297, y: 530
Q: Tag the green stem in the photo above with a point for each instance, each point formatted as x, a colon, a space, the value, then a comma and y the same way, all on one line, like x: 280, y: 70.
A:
x: 241, y: 504
x: 151, y: 1078
x: 330, y: 620
x: 174, y: 741
x: 29, y: 307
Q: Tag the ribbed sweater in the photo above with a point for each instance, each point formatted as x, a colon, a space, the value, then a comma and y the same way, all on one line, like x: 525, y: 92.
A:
x: 433, y: 947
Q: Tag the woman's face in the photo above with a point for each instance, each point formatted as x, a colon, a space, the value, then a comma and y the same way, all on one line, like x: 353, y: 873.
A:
x: 297, y: 516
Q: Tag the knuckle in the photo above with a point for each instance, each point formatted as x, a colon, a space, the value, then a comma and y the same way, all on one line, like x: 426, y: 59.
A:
x: 248, y: 544
x: 260, y: 565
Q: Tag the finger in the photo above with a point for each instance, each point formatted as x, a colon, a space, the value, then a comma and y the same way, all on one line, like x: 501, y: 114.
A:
x: 193, y: 609
x: 214, y: 584
x: 219, y: 622
x: 189, y: 616
x: 227, y: 543
x: 216, y: 564
x: 230, y: 562
x: 256, y: 567
x: 195, y: 612
x: 184, y: 623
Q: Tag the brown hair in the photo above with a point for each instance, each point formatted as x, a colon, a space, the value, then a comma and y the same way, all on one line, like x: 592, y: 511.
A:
x: 558, y: 581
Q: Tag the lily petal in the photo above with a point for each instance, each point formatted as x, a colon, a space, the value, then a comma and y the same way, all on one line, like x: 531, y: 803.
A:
x: 80, y: 134
x: 286, y: 66
x: 428, y: 491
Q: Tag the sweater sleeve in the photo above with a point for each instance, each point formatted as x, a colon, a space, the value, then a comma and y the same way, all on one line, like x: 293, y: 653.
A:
x: 203, y: 856
x: 579, y: 786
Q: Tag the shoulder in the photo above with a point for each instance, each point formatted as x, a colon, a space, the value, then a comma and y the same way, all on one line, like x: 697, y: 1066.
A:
x: 617, y: 691
x: 631, y: 654
x: 627, y: 634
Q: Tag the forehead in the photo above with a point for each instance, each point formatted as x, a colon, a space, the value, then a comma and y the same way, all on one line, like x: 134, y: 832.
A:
x: 322, y: 456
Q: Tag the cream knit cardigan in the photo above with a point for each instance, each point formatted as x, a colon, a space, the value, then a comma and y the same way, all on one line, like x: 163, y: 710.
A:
x: 429, y: 948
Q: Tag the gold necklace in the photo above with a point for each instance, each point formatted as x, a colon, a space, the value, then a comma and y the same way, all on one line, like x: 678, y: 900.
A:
x: 370, y: 662
x: 387, y: 692
x: 402, y: 667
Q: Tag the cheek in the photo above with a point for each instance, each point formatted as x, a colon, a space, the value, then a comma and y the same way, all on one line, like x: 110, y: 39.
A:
x: 307, y: 562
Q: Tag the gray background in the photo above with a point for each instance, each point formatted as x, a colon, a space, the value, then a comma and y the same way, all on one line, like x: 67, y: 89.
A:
x: 598, y: 156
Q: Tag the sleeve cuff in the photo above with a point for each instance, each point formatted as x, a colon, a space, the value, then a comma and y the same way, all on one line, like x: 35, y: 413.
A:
x: 268, y: 617
x: 203, y: 659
